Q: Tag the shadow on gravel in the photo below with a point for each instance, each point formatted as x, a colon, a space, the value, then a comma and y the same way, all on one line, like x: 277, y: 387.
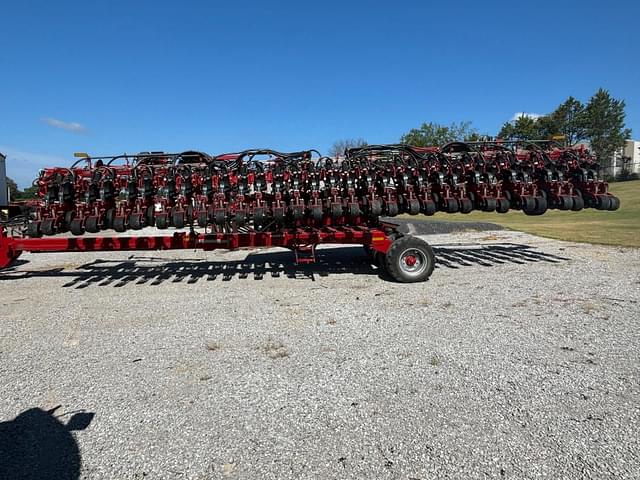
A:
x: 37, y: 445
x: 351, y: 260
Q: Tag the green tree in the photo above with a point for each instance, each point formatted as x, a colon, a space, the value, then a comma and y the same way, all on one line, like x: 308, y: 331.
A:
x: 435, y: 134
x: 27, y: 193
x: 567, y: 120
x: 339, y: 146
x: 523, y: 128
x: 604, y: 125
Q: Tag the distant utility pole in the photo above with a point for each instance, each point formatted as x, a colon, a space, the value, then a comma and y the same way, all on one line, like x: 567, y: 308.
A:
x: 4, y: 188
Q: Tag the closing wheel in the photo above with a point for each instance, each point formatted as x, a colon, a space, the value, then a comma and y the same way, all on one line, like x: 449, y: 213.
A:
x: 219, y: 216
x: 240, y: 218
x: 466, y: 205
x: 278, y: 214
x: 354, y: 210
x: 48, y: 227
x: 375, y: 208
x: 33, y: 230
x: 578, y: 203
x: 392, y: 209
x: 451, y: 205
x: 178, y: 218
x: 316, y: 213
x: 409, y: 260
x: 429, y: 207
x: 490, y: 204
x: 119, y: 224
x: 162, y: 221
x: 614, y: 203
x: 336, y: 211
x: 109, y: 215
x: 76, y: 226
x: 150, y: 216
x: 413, y: 207
x: 565, y: 202
x: 91, y: 224
x: 528, y: 204
x: 298, y: 212
x: 135, y: 221
x: 202, y: 219
x: 503, y: 205
x: 258, y: 216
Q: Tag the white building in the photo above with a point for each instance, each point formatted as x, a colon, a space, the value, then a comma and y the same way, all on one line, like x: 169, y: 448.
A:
x: 626, y: 159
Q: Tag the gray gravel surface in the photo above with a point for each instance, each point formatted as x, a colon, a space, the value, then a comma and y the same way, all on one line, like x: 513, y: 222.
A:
x: 518, y: 359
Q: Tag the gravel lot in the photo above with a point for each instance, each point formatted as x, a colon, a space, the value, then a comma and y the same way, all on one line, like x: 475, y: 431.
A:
x: 518, y: 359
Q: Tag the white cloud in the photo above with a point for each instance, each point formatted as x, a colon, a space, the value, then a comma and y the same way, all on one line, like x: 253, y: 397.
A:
x: 23, y: 166
x: 70, y: 126
x: 533, y: 116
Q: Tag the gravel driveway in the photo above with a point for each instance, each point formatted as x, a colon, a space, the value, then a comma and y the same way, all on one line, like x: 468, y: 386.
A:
x: 518, y: 359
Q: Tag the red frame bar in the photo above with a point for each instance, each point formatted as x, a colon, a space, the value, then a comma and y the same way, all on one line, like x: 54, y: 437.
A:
x: 376, y: 238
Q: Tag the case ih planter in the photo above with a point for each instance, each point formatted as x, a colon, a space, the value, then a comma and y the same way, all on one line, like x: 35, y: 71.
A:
x: 262, y: 198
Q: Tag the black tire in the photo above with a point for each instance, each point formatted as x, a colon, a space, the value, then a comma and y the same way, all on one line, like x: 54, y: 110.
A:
x: 528, y: 204
x: 316, y: 213
x: 490, y: 205
x: 33, y: 230
x: 410, y: 260
x: 178, y: 218
x: 614, y: 203
x: 162, y: 221
x: 602, y: 202
x: 375, y: 208
x: 429, y: 207
x: 135, y: 221
x: 336, y: 211
x: 48, y: 227
x: 76, y: 226
x: 354, y: 210
x: 466, y: 205
x: 150, y: 216
x: 565, y: 202
x: 240, y: 218
x: 414, y: 207
x: 578, y: 204
x: 91, y: 224
x: 119, y: 224
x: 503, y: 205
x: 203, y: 219
x: 452, y: 205
x: 109, y: 216
x: 68, y: 218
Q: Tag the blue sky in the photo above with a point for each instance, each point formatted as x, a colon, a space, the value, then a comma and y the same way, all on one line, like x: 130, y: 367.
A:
x: 109, y: 77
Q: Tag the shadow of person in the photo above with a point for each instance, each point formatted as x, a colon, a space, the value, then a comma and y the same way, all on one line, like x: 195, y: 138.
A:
x: 37, y: 445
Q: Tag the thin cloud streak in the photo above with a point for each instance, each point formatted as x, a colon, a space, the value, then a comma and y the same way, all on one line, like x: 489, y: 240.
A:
x: 69, y: 126
x: 23, y: 166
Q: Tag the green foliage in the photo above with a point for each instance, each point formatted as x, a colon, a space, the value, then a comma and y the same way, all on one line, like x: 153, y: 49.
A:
x: 339, y: 146
x: 27, y: 194
x: 569, y: 120
x: 523, y: 128
x: 13, y: 188
x: 604, y: 125
x: 431, y: 133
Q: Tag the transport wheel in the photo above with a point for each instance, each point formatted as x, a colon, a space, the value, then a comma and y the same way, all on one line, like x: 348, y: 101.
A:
x: 162, y: 221
x: 429, y: 207
x: 375, y: 208
x: 178, y: 218
x: 91, y: 224
x: 466, y: 205
x: 409, y: 260
x: 108, y: 218
x: 565, y: 202
x: 47, y: 227
x: 33, y: 230
x: 316, y: 213
x: 490, y: 205
x: 578, y: 204
x: 202, y: 219
x: 503, y: 205
x: 135, y: 221
x: 119, y: 224
x: 614, y: 202
x: 150, y: 216
x: 76, y: 226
